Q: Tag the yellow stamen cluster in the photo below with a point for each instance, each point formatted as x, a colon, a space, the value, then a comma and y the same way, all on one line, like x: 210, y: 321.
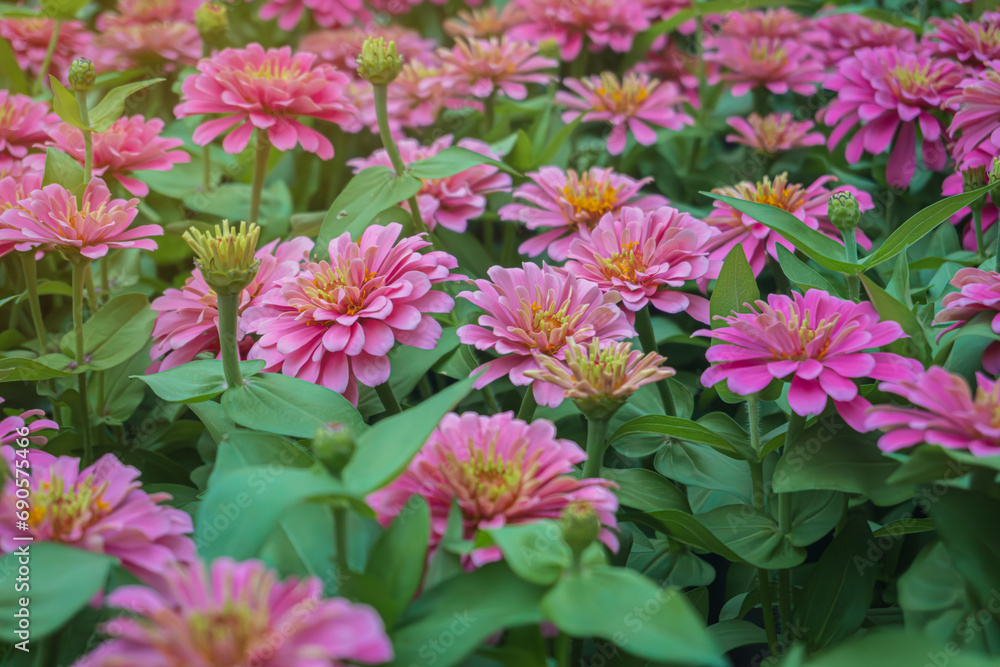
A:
x: 66, y: 507
x: 590, y: 197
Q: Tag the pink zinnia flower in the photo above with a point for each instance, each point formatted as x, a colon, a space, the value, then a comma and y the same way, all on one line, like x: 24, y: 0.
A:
x: 12, y: 428
x: 23, y: 125
x: 417, y: 96
x: 821, y: 341
x: 627, y: 106
x: 187, y: 318
x: 604, y: 23
x: 340, y: 47
x: 977, y: 120
x: 978, y: 292
x: 777, y: 64
x: 501, y: 471
x: 807, y: 203
x: 569, y: 203
x: 980, y: 156
x: 128, y: 42
x: 30, y: 37
x: 480, y: 67
x: 774, y: 133
x: 268, y: 90
x: 238, y: 614
x: 101, y: 508
x: 326, y: 13
x: 883, y: 90
x: 779, y: 22
x: 642, y: 255
x: 129, y: 145
x: 945, y: 413
x: 537, y: 309
x: 483, y: 23
x: 450, y: 202
x: 14, y: 189
x: 838, y: 36
x: 335, y: 322
x: 976, y: 41
x: 52, y: 216
x: 662, y: 10
x: 671, y: 63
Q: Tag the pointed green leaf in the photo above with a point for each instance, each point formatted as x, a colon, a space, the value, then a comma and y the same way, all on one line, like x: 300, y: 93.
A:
x: 112, y: 105
x: 65, y: 105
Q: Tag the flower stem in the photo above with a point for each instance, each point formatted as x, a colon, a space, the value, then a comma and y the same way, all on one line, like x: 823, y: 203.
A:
x: 388, y: 399
x: 259, y: 173
x: 340, y: 541
x: 80, y: 268
x: 47, y: 60
x: 796, y: 423
x: 644, y: 327
x: 851, y: 248
x: 228, y: 340
x: 757, y: 481
x: 977, y: 225
x: 385, y: 133
x: 489, y: 110
x: 597, y: 430
x: 31, y: 278
x: 88, y: 137
x: 207, y: 174
x: 105, y: 279
x: 528, y: 405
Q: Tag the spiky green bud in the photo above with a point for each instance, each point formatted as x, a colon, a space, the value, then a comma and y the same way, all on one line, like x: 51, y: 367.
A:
x: 226, y: 257
x: 843, y: 210
x: 580, y: 526
x: 212, y: 20
x: 379, y: 63
x: 82, y: 74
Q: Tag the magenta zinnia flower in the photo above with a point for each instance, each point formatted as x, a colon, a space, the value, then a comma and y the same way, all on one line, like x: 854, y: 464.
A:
x: 604, y: 23
x: 642, y: 256
x: 14, y: 428
x: 187, y: 318
x: 14, y: 189
x: 567, y: 203
x: 808, y: 204
x: 335, y: 322
x: 480, y: 67
x: 30, y: 38
x: 101, y: 508
x: 977, y: 122
x: 779, y: 22
x: 945, y: 413
x: 326, y: 13
x: 52, y: 216
x: 978, y: 292
x: 774, y: 133
x: 975, y: 42
x: 268, y: 90
x: 537, y: 309
x: 238, y: 614
x: 838, y: 36
x: 129, y: 145
x: 980, y: 156
x: 24, y: 124
x: 450, y: 202
x: 627, y: 106
x: 883, y: 90
x: 777, y: 64
x: 501, y: 471
x: 821, y: 341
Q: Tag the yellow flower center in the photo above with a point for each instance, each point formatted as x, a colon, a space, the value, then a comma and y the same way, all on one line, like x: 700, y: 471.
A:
x: 806, y: 332
x: 624, y: 264
x: 625, y: 96
x: 332, y: 284
x: 271, y: 69
x: 912, y: 78
x: 66, y: 508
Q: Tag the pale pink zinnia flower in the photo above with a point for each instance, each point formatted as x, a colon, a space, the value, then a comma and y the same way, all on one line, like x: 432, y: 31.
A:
x: 129, y: 145
x: 481, y: 67
x: 883, y: 90
x: 17, y: 428
x: 627, y: 105
x: 326, y: 13
x: 821, y: 341
x: 774, y: 133
x: 53, y: 216
x: 335, y: 322
x: 663, y: 10
x: 126, y: 42
x: 807, y: 203
x: 417, y: 96
x: 945, y: 412
x: 977, y: 120
x: 100, y: 508
x: 537, y: 309
x: 567, y: 203
x: 777, y: 64
x: 978, y: 292
x: 603, y: 23
x: 30, y: 38
x: 238, y: 614
x: 976, y: 42
x: 838, y: 36
x: 779, y: 22
x: 268, y: 90
x: 24, y: 124
x: 672, y: 63
x: 502, y: 472
x: 481, y: 23
x: 452, y: 201
x: 187, y: 318
x: 13, y: 189
x: 645, y: 256
x: 340, y: 47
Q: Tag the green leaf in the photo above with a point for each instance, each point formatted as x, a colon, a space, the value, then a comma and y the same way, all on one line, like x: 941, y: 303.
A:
x: 682, y: 429
x: 398, y: 558
x: 803, y: 275
x: 735, y: 287
x: 62, y: 581
x: 118, y: 330
x: 624, y: 607
x: 921, y: 223
x: 62, y: 169
x: 535, y: 551
x: 385, y: 449
x: 916, y: 346
x: 552, y: 147
x: 112, y: 105
x: 286, y: 405
x: 645, y: 490
x: 899, y: 285
x: 195, y: 381
x: 453, y: 160
x: 835, y: 600
x: 46, y: 367
x: 959, y: 517
x: 367, y: 194
x: 819, y: 247
x: 67, y: 9
x: 892, y: 647
x: 65, y: 105
x: 17, y: 82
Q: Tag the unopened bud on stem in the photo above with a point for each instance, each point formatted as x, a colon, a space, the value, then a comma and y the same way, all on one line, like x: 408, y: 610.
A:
x: 843, y: 211
x: 379, y: 63
x: 226, y: 258
x: 82, y: 74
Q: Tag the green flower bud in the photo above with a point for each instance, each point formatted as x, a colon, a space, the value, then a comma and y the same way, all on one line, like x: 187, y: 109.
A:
x: 334, y: 446
x: 212, y: 20
x: 82, y: 74
x: 843, y: 210
x: 580, y: 526
x: 226, y: 258
x: 973, y: 178
x: 379, y: 63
